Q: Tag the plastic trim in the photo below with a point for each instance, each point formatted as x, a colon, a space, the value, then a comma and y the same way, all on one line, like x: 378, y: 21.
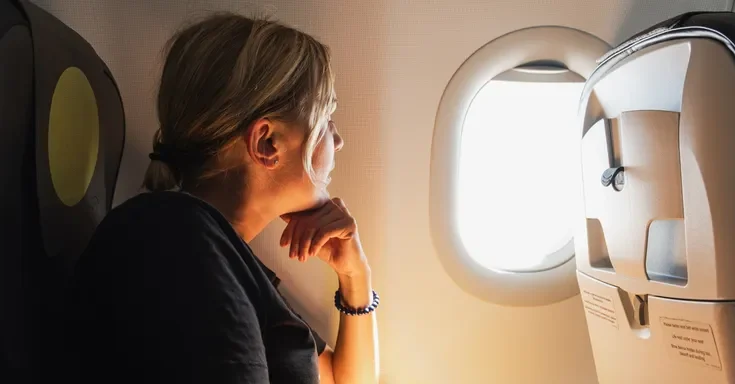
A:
x: 611, y: 59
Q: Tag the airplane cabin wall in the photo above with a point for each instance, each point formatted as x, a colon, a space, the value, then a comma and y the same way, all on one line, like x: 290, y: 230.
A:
x: 393, y: 60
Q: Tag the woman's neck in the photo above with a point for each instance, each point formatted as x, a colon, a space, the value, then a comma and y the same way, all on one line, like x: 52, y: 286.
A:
x: 247, y: 212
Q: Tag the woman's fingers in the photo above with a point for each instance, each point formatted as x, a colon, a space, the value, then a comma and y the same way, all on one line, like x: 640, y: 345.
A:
x: 288, y: 231
x: 340, y: 229
x: 296, y: 236
x: 303, y: 247
x: 309, y: 226
x: 324, y: 221
x: 341, y: 204
x: 293, y: 235
x: 307, y: 232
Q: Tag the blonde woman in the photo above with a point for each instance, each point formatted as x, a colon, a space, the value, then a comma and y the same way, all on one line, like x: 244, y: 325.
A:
x: 168, y: 289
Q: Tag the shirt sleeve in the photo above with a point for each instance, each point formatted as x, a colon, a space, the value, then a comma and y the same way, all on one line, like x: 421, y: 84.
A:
x: 202, y: 325
x: 321, y: 345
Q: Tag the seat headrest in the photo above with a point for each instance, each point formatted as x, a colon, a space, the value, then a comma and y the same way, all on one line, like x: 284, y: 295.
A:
x: 79, y: 134
x: 62, y: 132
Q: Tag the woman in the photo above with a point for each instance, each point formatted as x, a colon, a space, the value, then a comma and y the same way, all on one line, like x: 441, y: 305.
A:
x: 168, y: 289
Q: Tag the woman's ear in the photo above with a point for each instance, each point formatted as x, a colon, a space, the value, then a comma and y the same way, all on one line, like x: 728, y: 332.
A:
x: 263, y: 143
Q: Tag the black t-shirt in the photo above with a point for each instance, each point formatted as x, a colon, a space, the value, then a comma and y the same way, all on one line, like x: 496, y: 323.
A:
x: 168, y: 292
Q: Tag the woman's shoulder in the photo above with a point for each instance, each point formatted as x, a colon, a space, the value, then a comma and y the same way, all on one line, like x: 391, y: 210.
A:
x: 174, y: 221
x: 164, y: 212
x: 163, y: 205
x: 162, y: 229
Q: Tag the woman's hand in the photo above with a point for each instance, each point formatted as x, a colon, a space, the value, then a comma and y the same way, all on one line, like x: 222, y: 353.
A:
x: 328, y: 232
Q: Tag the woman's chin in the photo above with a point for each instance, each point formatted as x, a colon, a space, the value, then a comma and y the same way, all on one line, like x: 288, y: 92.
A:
x: 316, y: 201
x: 321, y: 198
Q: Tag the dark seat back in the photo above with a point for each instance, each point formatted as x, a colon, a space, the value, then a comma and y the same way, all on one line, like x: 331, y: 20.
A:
x: 62, y: 131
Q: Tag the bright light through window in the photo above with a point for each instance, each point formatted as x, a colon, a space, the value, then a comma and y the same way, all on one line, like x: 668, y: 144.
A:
x: 518, y: 171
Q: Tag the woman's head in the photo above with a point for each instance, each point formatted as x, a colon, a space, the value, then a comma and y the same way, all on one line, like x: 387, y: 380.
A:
x: 245, y: 105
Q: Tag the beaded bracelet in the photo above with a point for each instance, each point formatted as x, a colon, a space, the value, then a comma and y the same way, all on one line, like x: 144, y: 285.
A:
x: 356, y: 312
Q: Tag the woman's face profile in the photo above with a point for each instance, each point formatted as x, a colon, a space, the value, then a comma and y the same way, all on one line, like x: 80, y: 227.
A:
x: 302, y: 192
x: 323, y: 159
x: 323, y: 162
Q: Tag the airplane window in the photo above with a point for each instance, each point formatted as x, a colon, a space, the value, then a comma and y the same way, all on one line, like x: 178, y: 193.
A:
x: 504, y: 192
x: 518, y: 169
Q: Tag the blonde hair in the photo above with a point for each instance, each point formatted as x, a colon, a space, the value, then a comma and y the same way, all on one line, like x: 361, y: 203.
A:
x: 221, y: 74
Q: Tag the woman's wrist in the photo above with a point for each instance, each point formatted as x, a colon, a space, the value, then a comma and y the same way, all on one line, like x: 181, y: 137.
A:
x: 356, y: 288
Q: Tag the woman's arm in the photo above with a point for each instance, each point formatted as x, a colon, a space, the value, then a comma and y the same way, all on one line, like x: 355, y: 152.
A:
x: 330, y: 233
x: 326, y: 373
x: 356, y: 357
x: 356, y: 353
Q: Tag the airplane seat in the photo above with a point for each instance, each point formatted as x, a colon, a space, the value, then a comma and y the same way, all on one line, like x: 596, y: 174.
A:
x: 656, y: 249
x: 62, y: 131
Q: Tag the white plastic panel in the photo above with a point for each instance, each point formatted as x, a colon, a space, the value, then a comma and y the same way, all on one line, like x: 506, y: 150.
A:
x: 654, y: 257
x: 647, y: 144
x: 667, y: 189
x: 651, y: 80
x: 686, y: 342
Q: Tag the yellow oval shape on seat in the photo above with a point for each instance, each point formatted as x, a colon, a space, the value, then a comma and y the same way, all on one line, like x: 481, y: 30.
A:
x: 73, y: 136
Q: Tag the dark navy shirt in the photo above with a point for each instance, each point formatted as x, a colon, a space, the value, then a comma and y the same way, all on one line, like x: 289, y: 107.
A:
x: 168, y: 292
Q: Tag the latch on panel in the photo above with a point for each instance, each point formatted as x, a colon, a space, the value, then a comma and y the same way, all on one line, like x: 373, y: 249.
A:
x: 640, y: 308
x: 615, y: 177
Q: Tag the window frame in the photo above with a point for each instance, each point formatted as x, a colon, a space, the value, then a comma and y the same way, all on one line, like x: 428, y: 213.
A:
x: 578, y: 51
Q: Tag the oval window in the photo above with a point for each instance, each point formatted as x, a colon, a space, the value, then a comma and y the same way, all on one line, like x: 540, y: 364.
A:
x: 504, y: 189
x: 518, y: 170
